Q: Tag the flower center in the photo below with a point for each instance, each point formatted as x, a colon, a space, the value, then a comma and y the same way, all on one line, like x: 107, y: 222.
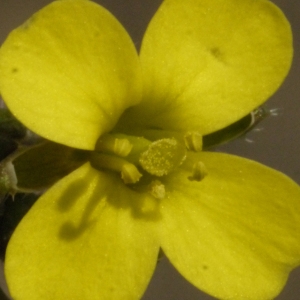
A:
x: 136, y: 157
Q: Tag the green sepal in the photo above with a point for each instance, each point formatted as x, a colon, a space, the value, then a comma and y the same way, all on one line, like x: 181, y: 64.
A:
x: 11, y: 130
x: 12, y: 211
x: 41, y: 166
x: 235, y: 130
x: 7, y: 146
x: 10, y: 126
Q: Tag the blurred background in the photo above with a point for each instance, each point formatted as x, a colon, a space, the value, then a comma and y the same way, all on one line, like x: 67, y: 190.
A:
x: 275, y: 143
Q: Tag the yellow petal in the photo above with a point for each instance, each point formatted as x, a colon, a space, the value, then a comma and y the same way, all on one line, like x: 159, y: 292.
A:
x: 83, y: 239
x: 236, y: 233
x: 207, y: 63
x: 69, y: 72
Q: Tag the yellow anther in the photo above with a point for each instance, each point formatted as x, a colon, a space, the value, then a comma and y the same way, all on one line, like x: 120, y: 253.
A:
x: 157, y: 189
x: 114, y: 144
x: 130, y: 173
x: 199, y: 171
x: 122, y: 147
x: 193, y: 141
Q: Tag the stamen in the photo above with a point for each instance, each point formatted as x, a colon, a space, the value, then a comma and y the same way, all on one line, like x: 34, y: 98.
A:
x: 199, y: 171
x: 157, y: 189
x: 193, y: 141
x: 162, y: 157
x: 116, y: 145
x: 129, y: 172
x: 122, y: 147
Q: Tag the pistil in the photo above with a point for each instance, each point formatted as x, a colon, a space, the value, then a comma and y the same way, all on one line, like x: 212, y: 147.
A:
x: 162, y: 157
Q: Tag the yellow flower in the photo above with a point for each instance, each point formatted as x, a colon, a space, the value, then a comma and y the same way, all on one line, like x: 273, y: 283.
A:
x: 229, y: 225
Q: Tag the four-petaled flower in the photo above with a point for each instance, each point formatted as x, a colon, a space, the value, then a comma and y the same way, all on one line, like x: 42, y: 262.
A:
x: 229, y: 225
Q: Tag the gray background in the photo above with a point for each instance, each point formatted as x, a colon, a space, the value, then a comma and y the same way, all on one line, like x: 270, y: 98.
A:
x: 275, y: 145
